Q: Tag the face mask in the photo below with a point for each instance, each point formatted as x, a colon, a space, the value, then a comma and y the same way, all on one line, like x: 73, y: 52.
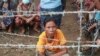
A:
x: 4, y: 0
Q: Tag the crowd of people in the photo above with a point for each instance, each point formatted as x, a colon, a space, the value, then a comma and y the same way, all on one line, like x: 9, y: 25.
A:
x: 23, y: 15
x: 17, y: 16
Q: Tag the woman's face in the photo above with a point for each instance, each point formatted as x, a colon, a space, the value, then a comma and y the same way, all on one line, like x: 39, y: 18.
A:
x: 50, y: 28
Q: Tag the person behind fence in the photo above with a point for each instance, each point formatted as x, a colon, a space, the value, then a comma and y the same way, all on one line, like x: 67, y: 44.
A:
x: 52, y: 36
x: 96, y: 6
x: 7, y: 8
x: 51, y: 6
x: 27, y: 18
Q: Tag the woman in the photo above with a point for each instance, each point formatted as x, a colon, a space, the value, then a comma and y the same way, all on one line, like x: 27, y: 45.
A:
x: 7, y: 7
x: 96, y: 6
x: 26, y: 19
x: 51, y: 37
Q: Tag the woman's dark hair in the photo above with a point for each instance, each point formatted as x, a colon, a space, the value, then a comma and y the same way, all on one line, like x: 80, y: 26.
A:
x: 48, y: 20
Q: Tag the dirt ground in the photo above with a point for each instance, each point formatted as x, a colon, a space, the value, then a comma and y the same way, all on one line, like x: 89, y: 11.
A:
x: 70, y: 27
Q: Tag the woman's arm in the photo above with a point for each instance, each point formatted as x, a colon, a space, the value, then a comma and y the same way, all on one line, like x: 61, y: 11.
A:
x: 92, y: 26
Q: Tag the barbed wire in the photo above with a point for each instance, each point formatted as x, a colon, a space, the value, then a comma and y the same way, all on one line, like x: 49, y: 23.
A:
x: 45, y: 46
x: 48, y: 13
x: 78, y: 11
x: 37, y: 37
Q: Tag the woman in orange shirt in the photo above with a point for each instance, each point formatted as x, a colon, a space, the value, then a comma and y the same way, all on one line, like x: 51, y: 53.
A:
x: 49, y: 38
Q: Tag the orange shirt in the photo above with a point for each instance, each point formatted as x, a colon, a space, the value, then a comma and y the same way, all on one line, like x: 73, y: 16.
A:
x: 59, y: 39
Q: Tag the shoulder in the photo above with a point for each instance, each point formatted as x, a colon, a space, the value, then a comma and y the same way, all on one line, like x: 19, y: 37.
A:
x: 42, y: 35
x: 58, y: 31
